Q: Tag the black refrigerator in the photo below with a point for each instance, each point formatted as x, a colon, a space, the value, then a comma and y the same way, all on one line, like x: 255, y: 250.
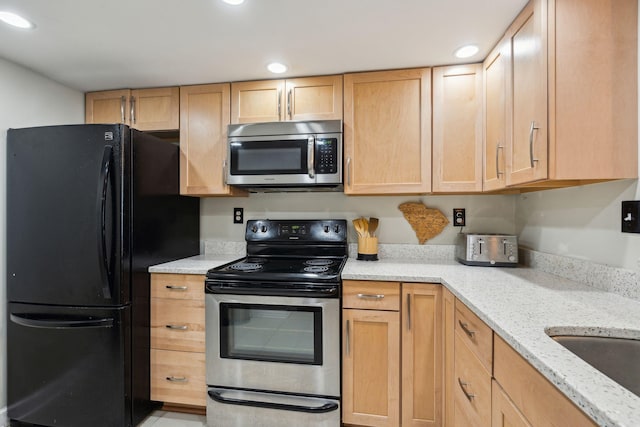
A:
x: 89, y: 209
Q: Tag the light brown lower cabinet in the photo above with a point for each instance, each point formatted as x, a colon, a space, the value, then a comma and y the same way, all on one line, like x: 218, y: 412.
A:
x: 177, y: 339
x: 504, y: 412
x: 392, y: 361
x: 492, y: 385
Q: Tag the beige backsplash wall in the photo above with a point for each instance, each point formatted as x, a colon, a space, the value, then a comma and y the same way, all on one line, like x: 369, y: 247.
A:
x: 580, y: 222
x: 491, y: 214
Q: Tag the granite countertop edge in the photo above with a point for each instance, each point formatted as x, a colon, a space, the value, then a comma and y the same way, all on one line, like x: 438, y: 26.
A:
x: 520, y: 305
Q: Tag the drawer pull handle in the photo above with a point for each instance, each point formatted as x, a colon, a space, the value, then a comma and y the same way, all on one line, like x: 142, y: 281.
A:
x: 465, y: 328
x: 177, y: 288
x: 177, y: 379
x: 179, y: 327
x: 463, y: 386
x: 371, y: 296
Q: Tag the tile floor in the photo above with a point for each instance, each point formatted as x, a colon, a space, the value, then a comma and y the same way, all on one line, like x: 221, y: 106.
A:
x: 173, y: 419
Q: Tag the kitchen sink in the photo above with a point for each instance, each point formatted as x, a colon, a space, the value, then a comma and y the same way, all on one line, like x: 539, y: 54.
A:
x: 617, y: 358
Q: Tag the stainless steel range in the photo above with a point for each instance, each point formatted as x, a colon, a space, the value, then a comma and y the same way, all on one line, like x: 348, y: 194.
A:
x: 273, y: 327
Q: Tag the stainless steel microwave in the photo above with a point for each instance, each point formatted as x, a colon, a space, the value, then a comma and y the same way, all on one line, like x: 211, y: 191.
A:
x: 301, y: 155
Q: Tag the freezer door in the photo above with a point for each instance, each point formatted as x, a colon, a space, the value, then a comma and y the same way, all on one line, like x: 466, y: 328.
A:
x: 67, y: 193
x: 68, y: 366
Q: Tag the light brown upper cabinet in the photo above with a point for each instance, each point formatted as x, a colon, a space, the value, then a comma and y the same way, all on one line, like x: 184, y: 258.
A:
x: 457, y: 129
x: 308, y: 98
x: 154, y: 109
x: 495, y: 117
x: 387, y: 132
x: 575, y: 63
x: 204, y: 117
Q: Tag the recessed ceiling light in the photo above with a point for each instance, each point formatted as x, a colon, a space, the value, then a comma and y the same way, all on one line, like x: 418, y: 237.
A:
x: 15, y: 20
x: 466, y: 51
x: 233, y: 2
x: 277, y: 68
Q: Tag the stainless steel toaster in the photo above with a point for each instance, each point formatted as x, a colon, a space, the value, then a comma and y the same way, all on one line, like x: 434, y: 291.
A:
x: 498, y: 250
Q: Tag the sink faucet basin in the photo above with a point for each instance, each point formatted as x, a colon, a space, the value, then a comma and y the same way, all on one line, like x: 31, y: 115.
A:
x: 617, y: 358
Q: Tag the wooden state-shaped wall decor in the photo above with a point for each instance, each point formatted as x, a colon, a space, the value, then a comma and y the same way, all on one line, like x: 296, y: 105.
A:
x: 426, y: 222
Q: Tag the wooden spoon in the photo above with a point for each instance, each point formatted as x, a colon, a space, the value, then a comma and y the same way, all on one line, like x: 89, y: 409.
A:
x: 357, y: 223
x: 373, y: 226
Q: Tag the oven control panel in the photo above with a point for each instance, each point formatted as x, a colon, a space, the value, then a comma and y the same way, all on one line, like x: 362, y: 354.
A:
x: 330, y: 230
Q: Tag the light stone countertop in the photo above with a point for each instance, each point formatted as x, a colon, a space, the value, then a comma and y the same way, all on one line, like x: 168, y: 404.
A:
x: 198, y: 264
x: 519, y: 304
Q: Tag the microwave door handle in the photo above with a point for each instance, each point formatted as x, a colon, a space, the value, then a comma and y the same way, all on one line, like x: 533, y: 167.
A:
x: 311, y: 161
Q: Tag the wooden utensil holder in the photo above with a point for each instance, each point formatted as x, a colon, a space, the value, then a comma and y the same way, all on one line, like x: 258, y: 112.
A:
x: 368, y: 248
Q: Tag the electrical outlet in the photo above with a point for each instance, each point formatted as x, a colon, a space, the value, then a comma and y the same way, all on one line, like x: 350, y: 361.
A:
x: 459, y: 217
x: 238, y: 215
x: 630, y: 216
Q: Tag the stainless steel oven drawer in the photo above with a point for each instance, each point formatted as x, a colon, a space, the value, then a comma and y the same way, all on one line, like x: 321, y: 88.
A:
x: 239, y: 408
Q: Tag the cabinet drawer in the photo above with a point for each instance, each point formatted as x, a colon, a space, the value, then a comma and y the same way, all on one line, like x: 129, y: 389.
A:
x: 178, y: 377
x: 177, y: 286
x: 177, y: 324
x: 370, y: 295
x: 538, y: 400
x: 472, y: 388
x: 476, y: 334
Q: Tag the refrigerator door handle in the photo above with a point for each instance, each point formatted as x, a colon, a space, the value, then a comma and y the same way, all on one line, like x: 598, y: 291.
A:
x: 61, y: 323
x: 103, y: 184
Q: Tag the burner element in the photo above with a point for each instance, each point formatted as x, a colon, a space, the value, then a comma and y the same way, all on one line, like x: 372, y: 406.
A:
x: 318, y: 262
x: 246, y: 266
x: 316, y: 269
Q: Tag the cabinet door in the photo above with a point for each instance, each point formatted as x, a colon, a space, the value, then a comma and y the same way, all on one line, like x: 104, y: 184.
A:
x: 371, y: 368
x: 110, y: 106
x: 448, y: 316
x: 495, y: 117
x: 155, y: 109
x: 387, y: 132
x: 503, y: 412
x: 527, y: 157
x: 314, y: 98
x: 259, y: 101
x: 204, y: 116
x: 421, y: 355
x: 457, y: 128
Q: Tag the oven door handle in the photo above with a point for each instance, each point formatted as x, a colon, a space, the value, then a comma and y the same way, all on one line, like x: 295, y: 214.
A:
x: 326, y: 292
x: 218, y: 396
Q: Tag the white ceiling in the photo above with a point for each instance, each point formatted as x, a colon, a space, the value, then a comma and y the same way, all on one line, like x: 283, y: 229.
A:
x: 109, y: 44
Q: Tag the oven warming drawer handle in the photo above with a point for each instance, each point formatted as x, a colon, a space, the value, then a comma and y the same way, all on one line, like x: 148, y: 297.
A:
x: 326, y: 407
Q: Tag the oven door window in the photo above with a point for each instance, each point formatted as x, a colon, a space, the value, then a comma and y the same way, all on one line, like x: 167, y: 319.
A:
x: 280, y: 157
x: 271, y: 333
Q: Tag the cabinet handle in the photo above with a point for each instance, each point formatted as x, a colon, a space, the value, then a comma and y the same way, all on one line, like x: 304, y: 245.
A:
x: 371, y: 296
x: 177, y: 379
x: 178, y: 327
x: 132, y: 100
x: 465, y: 328
x: 498, y: 173
x: 289, y: 107
x: 531, y: 129
x: 279, y: 103
x: 409, y: 312
x: 311, y: 161
x: 463, y: 386
x: 177, y: 288
x: 348, y: 171
x: 224, y: 172
x: 348, y: 343
x: 123, y: 105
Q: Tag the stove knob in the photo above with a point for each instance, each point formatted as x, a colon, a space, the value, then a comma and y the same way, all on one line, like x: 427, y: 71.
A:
x: 337, y: 229
x: 254, y: 229
x: 264, y: 229
x: 326, y: 228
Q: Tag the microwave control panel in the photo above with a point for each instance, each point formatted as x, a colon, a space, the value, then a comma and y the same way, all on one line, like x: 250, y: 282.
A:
x: 326, y: 155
